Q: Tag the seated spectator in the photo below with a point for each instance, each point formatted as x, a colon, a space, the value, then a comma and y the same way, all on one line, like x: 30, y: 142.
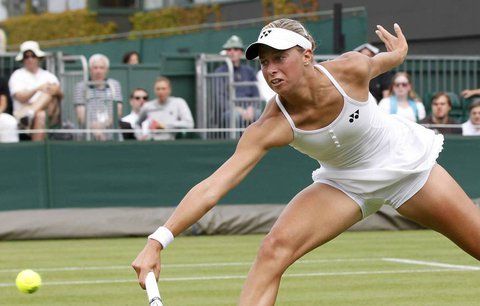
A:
x: 441, y: 106
x: 380, y: 85
x: 468, y: 93
x: 95, y: 100
x: 472, y: 126
x: 36, y: 92
x: 403, y: 100
x: 137, y: 98
x: 131, y: 58
x: 165, y: 112
x: 245, y: 111
x: 8, y: 123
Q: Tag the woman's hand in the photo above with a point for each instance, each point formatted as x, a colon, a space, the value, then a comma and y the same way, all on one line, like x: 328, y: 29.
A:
x: 147, y: 260
x: 393, y: 43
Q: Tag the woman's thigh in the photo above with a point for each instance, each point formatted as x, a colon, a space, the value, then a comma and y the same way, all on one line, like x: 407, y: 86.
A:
x: 314, y: 216
x: 442, y: 205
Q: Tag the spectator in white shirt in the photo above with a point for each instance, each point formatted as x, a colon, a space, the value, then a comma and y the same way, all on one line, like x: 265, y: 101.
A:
x: 96, y: 100
x: 403, y: 100
x: 165, y: 112
x: 472, y: 126
x: 137, y: 98
x: 36, y: 92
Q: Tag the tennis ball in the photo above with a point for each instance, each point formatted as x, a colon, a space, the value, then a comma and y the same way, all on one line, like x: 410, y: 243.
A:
x: 28, y: 281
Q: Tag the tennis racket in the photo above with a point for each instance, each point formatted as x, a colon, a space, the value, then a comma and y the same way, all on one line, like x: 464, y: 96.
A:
x: 154, y: 298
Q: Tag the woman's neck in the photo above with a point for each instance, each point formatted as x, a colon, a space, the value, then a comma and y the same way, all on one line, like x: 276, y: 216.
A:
x: 402, y: 98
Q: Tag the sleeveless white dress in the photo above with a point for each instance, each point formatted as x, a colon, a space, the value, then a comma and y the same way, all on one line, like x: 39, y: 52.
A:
x: 373, y: 157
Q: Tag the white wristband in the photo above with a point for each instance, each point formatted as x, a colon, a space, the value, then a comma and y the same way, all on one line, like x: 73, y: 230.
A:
x: 162, y: 235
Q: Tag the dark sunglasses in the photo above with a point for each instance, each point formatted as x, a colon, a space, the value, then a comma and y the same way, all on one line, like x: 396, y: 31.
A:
x: 29, y: 56
x: 145, y: 98
x: 401, y: 84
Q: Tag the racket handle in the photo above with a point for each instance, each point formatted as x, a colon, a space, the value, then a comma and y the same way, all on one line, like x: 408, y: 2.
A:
x: 154, y: 298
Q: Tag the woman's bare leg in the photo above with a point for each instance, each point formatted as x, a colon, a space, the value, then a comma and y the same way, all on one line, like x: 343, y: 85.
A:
x: 443, y: 206
x: 316, y: 215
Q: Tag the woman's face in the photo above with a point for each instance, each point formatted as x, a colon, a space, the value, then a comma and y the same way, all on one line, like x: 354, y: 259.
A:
x: 133, y: 59
x: 401, y: 86
x: 281, y: 69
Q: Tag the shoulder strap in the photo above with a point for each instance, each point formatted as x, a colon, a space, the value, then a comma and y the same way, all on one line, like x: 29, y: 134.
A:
x: 332, y: 79
x: 414, y: 107
x: 284, y: 111
x: 393, y: 105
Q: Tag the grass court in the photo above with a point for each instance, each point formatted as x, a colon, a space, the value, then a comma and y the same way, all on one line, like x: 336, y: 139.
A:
x: 357, y: 268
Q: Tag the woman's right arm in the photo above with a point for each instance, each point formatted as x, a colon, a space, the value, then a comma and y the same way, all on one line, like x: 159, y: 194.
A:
x: 253, y: 145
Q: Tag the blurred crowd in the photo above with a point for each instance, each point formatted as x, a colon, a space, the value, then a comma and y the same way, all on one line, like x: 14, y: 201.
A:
x: 31, y: 99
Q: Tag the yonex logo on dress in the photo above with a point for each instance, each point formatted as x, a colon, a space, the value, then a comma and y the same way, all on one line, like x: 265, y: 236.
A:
x: 354, y: 116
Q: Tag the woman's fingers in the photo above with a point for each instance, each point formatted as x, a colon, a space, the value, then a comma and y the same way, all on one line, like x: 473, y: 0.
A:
x: 385, y: 33
x: 384, y: 40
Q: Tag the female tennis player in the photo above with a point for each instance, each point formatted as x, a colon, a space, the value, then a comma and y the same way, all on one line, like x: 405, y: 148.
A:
x: 367, y: 159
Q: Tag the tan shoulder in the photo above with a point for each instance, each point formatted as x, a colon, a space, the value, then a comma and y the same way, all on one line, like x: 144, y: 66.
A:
x: 351, y: 66
x: 271, y: 129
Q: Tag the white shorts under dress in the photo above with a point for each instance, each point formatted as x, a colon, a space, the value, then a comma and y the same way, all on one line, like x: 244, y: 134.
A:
x: 372, y: 157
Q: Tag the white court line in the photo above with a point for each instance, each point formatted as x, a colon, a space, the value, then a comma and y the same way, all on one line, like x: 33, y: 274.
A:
x: 225, y: 277
x: 194, y: 265
x: 431, y: 263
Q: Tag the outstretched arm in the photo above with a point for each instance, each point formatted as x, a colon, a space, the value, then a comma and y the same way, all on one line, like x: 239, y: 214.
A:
x: 255, y: 142
x: 397, y: 48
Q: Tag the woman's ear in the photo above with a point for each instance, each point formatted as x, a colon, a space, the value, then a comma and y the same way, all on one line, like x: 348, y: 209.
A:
x: 307, y: 57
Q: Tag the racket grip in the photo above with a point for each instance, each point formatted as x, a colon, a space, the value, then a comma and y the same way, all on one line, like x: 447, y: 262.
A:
x: 154, y: 298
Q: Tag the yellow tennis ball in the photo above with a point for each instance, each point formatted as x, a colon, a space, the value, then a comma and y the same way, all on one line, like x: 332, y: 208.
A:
x: 28, y: 281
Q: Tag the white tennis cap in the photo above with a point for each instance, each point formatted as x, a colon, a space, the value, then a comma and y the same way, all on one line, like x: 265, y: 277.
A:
x: 277, y: 38
x: 29, y: 45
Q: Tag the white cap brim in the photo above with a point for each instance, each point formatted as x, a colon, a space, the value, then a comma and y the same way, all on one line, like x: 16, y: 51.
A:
x: 279, y: 39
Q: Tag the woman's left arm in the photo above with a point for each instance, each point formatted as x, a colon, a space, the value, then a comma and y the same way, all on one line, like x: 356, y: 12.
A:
x: 397, y: 49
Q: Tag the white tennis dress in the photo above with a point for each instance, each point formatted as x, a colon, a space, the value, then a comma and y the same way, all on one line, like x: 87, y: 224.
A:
x: 373, y: 157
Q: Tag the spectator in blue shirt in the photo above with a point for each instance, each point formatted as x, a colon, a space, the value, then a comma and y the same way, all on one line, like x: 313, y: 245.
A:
x: 246, y: 111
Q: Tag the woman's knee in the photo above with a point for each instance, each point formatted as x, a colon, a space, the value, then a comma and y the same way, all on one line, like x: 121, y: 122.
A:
x: 276, y: 248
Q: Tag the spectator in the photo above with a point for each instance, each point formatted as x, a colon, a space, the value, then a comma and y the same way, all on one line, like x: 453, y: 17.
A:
x: 36, y: 92
x: 137, y: 98
x: 131, y: 58
x: 441, y: 106
x: 8, y: 123
x: 379, y: 86
x: 165, y: 112
x: 403, y: 99
x: 95, y: 100
x: 245, y: 111
x: 472, y: 126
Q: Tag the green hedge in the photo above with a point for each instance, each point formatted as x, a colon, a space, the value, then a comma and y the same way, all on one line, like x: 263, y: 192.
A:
x: 173, y: 17
x: 49, y: 26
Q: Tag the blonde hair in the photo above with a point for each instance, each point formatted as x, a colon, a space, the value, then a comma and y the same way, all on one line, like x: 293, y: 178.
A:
x: 411, y: 94
x: 292, y: 25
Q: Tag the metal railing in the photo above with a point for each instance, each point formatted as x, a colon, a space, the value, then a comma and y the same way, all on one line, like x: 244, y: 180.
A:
x: 72, y: 69
x: 218, y: 105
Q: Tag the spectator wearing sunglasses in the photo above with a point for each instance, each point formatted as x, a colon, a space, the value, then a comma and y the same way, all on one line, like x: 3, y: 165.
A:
x: 137, y: 98
x: 403, y: 100
x: 164, y: 112
x: 36, y: 92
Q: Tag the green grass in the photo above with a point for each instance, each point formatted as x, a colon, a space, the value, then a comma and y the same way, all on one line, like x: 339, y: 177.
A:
x: 346, y: 271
